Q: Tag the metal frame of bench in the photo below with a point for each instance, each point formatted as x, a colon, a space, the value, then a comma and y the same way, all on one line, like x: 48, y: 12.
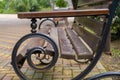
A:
x: 75, y: 13
x: 105, y: 75
x: 47, y: 19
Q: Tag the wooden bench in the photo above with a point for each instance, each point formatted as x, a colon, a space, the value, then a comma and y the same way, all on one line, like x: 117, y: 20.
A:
x: 74, y: 43
x: 81, y: 48
x: 79, y: 42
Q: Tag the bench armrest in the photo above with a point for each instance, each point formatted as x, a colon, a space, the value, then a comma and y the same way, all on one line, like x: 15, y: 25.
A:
x: 67, y: 13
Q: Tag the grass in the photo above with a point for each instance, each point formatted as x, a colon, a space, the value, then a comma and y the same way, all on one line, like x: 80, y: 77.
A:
x: 116, y: 52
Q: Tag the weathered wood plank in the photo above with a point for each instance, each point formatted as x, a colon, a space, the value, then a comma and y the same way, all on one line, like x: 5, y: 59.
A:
x: 54, y: 36
x: 65, y: 46
x: 67, y: 13
x: 91, y: 39
x: 94, y: 4
x: 94, y: 25
x: 81, y: 50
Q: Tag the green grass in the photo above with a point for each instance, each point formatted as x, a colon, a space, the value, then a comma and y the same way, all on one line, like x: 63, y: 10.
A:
x: 116, y: 52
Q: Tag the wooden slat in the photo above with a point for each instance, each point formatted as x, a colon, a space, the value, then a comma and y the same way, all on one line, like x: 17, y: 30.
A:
x: 89, y: 3
x: 90, y: 23
x: 68, y: 13
x: 91, y: 39
x: 54, y: 36
x: 81, y: 50
x: 65, y: 46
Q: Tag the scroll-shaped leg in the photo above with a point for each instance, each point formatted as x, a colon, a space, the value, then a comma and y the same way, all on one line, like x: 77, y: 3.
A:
x: 28, y: 53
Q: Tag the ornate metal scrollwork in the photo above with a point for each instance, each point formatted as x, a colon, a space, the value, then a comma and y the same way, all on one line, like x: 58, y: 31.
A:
x: 32, y: 54
x: 55, y: 24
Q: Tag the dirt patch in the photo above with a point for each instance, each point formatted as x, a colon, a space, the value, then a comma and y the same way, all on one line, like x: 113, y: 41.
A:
x: 111, y: 63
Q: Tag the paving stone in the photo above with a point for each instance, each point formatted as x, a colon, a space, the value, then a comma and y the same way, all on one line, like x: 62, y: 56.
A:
x: 57, y: 74
x: 75, y: 68
x: 58, y: 69
x: 12, y: 74
x: 67, y: 78
x: 67, y: 72
x: 61, y: 76
x: 100, y: 67
x: 16, y: 78
x: 1, y: 76
x: 38, y: 75
x: 47, y: 78
x: 7, y: 78
x: 30, y: 72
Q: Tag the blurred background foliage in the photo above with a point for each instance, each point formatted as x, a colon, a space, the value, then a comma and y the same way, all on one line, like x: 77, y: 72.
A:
x: 14, y: 6
x: 61, y: 3
x: 115, y: 29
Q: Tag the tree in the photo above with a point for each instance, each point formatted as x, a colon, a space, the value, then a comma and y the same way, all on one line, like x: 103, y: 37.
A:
x: 13, y: 6
x: 61, y: 3
x: 34, y: 6
x: 116, y: 25
x: 27, y: 5
x: 2, y: 6
x: 44, y: 3
x: 21, y: 6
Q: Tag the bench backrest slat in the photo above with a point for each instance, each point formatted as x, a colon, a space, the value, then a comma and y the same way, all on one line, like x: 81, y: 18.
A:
x: 94, y: 4
x: 90, y: 38
x: 92, y: 24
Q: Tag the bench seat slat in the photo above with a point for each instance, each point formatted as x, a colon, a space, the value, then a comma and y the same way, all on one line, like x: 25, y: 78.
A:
x: 81, y: 50
x: 54, y: 36
x: 65, y: 46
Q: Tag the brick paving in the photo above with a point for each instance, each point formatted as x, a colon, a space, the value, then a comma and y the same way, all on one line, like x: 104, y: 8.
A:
x: 63, y: 70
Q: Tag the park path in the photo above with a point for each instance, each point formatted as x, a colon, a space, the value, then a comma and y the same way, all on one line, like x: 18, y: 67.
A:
x: 11, y: 30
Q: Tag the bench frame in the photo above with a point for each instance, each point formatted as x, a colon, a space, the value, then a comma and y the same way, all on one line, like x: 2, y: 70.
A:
x: 75, y: 13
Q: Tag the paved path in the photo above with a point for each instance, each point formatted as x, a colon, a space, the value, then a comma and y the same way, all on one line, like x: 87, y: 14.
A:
x: 11, y: 30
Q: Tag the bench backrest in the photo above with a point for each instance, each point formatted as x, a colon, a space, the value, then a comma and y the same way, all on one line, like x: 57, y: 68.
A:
x: 90, y: 28
x: 82, y: 4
